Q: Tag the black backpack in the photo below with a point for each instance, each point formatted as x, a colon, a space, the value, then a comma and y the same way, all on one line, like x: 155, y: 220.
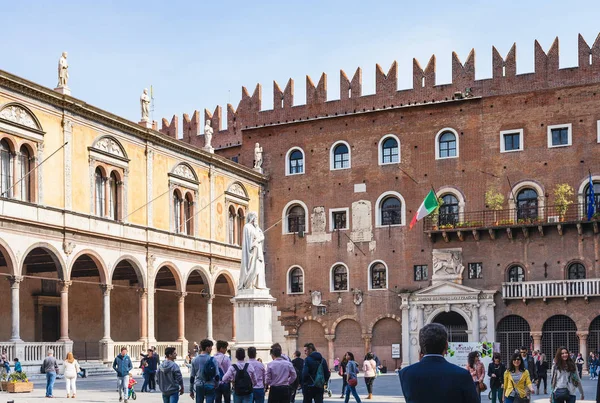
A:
x: 243, y: 382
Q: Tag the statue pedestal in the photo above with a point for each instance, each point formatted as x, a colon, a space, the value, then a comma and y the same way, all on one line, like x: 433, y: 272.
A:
x: 258, y: 169
x: 63, y: 90
x: 254, y: 321
x: 146, y: 124
x: 209, y: 149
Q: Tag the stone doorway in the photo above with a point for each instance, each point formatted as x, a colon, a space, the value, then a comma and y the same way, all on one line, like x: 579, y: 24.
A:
x: 456, y: 325
x: 50, y: 323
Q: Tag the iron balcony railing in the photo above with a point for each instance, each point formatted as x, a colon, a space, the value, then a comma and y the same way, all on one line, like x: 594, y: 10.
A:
x: 523, y: 216
x: 551, y: 289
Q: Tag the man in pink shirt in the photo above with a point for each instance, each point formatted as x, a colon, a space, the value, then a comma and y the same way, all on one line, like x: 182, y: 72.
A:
x: 259, y: 374
x: 280, y: 375
x: 223, y: 391
x: 240, y: 394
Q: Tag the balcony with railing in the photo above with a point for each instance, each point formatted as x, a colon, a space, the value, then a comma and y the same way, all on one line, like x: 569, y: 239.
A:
x: 524, y: 219
x: 583, y: 288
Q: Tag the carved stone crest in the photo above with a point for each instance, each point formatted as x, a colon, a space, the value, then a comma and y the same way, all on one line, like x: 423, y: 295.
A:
x: 18, y: 115
x: 483, y: 322
x: 68, y: 247
x: 315, y: 297
x: 318, y: 220
x: 358, y: 297
x: 184, y: 171
x: 467, y: 309
x: 110, y: 146
x: 447, y: 265
x: 429, y: 309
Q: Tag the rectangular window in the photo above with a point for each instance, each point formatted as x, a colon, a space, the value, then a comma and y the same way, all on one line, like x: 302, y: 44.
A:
x: 511, y: 140
x: 420, y: 272
x: 338, y: 219
x: 559, y: 135
x: 475, y: 271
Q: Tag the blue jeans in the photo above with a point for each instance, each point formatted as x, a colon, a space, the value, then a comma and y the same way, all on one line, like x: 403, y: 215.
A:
x: 497, y: 395
x: 145, y: 385
x: 258, y: 395
x: 242, y: 399
x: 202, y: 396
x: 50, y: 378
x: 223, y: 392
x: 351, y: 389
x: 173, y: 398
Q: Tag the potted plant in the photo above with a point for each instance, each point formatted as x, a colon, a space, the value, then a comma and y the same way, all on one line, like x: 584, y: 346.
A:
x: 18, y: 383
x: 4, y: 383
x: 562, y: 198
x: 494, y: 201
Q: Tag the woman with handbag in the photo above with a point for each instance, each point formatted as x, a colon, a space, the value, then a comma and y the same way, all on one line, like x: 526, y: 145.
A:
x: 370, y: 369
x: 344, y: 375
x: 477, y: 371
x: 565, y: 380
x: 352, y: 374
x: 517, y: 382
x: 496, y: 371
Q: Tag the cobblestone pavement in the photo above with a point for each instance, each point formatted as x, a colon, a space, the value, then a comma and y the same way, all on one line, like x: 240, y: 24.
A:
x: 99, y: 390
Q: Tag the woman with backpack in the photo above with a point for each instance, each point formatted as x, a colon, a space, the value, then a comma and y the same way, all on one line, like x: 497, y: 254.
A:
x: 352, y: 375
x: 370, y: 369
x: 564, y: 380
x: 243, y: 377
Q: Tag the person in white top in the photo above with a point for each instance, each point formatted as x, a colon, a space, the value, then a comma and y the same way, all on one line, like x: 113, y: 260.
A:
x: 370, y: 370
x: 71, y: 368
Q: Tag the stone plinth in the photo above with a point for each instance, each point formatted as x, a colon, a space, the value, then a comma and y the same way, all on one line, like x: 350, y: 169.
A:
x: 209, y: 149
x: 254, y: 321
x: 145, y: 123
x: 63, y: 90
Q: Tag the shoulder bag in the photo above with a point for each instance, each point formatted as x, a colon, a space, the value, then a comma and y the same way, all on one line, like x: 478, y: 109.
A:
x: 518, y: 398
x: 560, y: 394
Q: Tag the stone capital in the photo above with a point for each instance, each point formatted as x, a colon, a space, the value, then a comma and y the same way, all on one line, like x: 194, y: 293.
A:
x: 536, y: 334
x: 182, y: 295
x: 583, y: 334
x: 106, y: 288
x: 329, y: 337
x: 15, y: 281
x: 367, y: 336
x: 65, y: 285
x: 142, y: 292
x: 209, y: 298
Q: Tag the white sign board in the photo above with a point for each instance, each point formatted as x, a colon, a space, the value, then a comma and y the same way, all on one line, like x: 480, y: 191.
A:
x: 395, y: 350
x: 458, y: 354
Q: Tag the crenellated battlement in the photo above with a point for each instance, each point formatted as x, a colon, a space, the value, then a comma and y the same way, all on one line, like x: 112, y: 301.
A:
x: 504, y: 81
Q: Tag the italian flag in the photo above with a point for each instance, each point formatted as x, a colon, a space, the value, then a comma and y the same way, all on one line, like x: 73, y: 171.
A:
x: 427, y: 207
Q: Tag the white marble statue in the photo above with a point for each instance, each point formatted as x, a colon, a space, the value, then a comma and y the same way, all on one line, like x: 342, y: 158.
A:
x: 258, y: 159
x: 145, y: 104
x: 252, y: 272
x: 208, y: 133
x: 63, y: 71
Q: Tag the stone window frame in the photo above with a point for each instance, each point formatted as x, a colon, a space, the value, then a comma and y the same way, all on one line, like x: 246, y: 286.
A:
x: 236, y: 198
x: 370, y: 277
x: 469, y: 271
x: 289, y: 283
x: 109, y: 161
x: 19, y: 133
x: 517, y: 187
x: 419, y: 267
x: 332, y: 156
x: 510, y: 267
x: 380, y: 149
x: 521, y: 140
x: 287, y: 161
x: 446, y: 190
x: 568, y: 126
x: 184, y: 185
x: 437, y: 143
x: 380, y: 200
x: 581, y: 194
x: 331, y: 277
x: 284, y: 214
x: 338, y: 210
x: 568, y: 269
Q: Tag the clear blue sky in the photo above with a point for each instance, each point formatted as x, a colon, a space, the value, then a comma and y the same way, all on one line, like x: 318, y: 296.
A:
x: 198, y: 54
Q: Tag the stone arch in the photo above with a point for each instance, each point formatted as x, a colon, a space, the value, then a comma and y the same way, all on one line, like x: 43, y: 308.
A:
x: 29, y: 120
x: 452, y: 308
x: 380, y: 149
x: 437, y: 142
x: 230, y: 280
x: 13, y: 266
x: 287, y: 161
x: 309, y: 331
x: 284, y: 214
x: 238, y: 189
x: 349, y: 334
x: 512, y: 332
x: 137, y: 267
x: 109, y: 144
x: 185, y: 170
x: 385, y: 331
x: 381, y: 199
x: 460, y: 196
x: 288, y: 283
x: 54, y: 254
x: 307, y: 318
x: 223, y: 310
x: 203, y: 273
x: 102, y: 269
x: 557, y: 331
x: 346, y: 317
x: 524, y: 184
x: 332, y: 155
x: 381, y: 317
x: 174, y: 271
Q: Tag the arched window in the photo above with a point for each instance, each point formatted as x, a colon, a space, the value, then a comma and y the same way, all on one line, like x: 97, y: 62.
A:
x: 296, y: 162
x: 391, y: 211
x: 6, y: 162
x: 339, y: 277
x: 241, y: 222
x: 188, y: 216
x: 25, y: 162
x: 177, y: 207
x: 576, y: 271
x: 527, y: 204
x: 100, y: 196
x: 341, y: 156
x: 447, y: 145
x: 378, y: 276
x: 390, y: 151
x: 113, y: 197
x: 231, y: 225
x: 516, y: 274
x: 596, y: 198
x: 448, y: 210
x: 296, y: 281
x: 296, y: 219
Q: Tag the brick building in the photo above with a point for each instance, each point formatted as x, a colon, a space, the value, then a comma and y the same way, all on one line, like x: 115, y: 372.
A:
x: 346, y: 176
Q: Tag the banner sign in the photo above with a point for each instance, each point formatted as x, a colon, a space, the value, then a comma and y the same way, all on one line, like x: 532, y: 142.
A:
x: 395, y: 350
x: 458, y: 354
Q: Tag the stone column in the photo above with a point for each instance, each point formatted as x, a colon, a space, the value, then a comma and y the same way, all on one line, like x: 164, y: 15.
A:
x: 405, y: 331
x: 106, y: 289
x: 64, y: 310
x: 233, y: 322
x: 420, y: 316
x: 583, y: 335
x: 150, y: 318
x: 15, y: 282
x: 537, y: 341
x: 143, y: 292
x: 209, y: 317
x: 330, y: 347
x: 491, y: 322
x: 181, y: 316
x: 475, y: 322
x: 367, y: 338
x: 106, y: 197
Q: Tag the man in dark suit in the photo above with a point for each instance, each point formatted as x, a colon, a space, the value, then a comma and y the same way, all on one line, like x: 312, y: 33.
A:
x: 433, y: 379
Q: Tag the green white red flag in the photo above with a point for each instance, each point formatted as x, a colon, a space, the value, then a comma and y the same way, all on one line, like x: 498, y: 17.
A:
x: 427, y: 207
